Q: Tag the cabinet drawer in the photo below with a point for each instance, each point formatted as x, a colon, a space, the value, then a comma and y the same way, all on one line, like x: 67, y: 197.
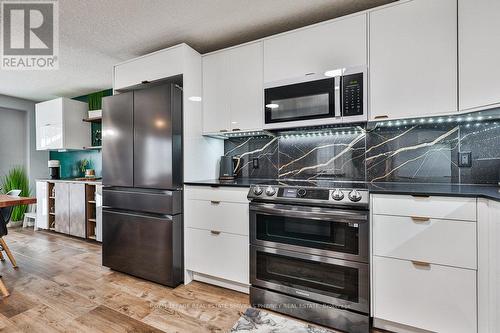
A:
x: 445, y: 242
x: 436, y: 298
x: 225, y: 256
x: 227, y: 194
x: 228, y: 217
x: 453, y: 208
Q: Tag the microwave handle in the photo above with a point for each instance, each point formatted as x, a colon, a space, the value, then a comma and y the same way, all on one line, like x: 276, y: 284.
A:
x: 337, y: 96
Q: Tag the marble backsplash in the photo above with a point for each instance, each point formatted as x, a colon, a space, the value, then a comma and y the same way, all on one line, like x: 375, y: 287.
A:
x: 416, y: 150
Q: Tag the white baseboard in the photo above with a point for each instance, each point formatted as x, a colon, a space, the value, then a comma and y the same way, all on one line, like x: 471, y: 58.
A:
x: 395, y: 327
x: 244, y: 288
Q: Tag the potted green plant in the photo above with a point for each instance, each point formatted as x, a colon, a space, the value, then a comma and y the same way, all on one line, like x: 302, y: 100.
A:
x: 86, y: 168
x: 16, y: 179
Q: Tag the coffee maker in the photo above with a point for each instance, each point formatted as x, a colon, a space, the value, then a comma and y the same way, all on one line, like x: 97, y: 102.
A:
x: 228, y: 167
x: 54, y: 169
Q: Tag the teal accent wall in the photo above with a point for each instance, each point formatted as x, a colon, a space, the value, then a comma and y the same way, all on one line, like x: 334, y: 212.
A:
x: 70, y: 160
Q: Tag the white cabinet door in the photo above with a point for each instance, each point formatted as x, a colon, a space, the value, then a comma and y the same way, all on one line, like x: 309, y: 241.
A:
x: 59, y: 124
x: 77, y: 205
x: 42, y: 205
x: 62, y: 207
x: 155, y: 66
x: 246, y: 87
x: 435, y: 298
x: 222, y: 255
x: 216, y: 93
x: 488, y: 266
x: 413, y: 59
x: 49, y: 124
x: 341, y: 43
x: 478, y: 52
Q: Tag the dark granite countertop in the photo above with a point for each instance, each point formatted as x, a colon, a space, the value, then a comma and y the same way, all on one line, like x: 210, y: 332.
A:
x: 455, y: 190
x: 460, y: 190
x: 238, y: 182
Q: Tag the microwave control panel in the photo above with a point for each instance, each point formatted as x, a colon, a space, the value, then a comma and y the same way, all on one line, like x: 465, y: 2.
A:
x: 352, y: 95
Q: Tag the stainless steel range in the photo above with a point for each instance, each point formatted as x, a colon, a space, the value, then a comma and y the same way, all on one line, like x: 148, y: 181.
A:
x: 309, y: 252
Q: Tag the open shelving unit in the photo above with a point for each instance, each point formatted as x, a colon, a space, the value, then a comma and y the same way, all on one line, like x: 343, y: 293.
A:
x: 52, y: 205
x: 90, y: 192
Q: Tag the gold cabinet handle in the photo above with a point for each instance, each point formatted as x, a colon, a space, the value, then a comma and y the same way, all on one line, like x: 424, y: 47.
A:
x: 420, y: 219
x: 422, y: 264
x: 215, y: 232
x: 223, y: 130
x: 381, y: 117
x: 214, y: 202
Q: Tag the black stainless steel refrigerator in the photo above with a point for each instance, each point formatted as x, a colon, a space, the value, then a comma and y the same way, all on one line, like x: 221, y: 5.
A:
x: 142, y: 178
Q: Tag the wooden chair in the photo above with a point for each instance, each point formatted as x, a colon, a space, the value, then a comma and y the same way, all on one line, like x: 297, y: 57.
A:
x: 5, y: 214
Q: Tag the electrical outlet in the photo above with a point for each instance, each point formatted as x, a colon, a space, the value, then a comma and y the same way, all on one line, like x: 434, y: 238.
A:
x: 255, y: 163
x: 465, y: 159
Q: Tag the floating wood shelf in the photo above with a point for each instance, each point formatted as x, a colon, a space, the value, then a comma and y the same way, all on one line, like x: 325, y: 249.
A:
x: 92, y: 148
x: 52, y: 214
x: 92, y: 220
x: 52, y: 197
x: 93, y: 120
x: 91, y: 202
x: 91, y: 237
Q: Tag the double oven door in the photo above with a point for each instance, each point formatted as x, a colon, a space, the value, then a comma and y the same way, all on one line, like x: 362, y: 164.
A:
x: 319, y: 254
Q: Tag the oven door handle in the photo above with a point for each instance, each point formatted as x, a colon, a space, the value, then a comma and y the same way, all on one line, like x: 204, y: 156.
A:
x: 324, y: 214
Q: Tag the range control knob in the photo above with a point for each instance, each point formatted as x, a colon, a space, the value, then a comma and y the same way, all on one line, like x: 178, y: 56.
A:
x: 337, y: 195
x: 257, y: 190
x: 301, y: 192
x: 354, y: 196
x: 270, y: 191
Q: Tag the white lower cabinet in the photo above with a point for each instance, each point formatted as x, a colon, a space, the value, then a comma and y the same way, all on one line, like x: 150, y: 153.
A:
x: 216, y: 241
x: 425, y: 263
x: 218, y: 254
x: 42, y: 206
x: 435, y: 298
x: 488, y: 266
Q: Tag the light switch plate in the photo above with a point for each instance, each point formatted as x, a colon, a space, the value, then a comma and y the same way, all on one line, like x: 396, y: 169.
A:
x: 465, y: 159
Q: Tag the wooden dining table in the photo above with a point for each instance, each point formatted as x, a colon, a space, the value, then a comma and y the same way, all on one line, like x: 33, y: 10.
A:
x: 8, y: 201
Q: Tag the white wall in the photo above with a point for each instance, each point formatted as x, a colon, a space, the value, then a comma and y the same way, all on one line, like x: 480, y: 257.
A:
x: 35, y: 161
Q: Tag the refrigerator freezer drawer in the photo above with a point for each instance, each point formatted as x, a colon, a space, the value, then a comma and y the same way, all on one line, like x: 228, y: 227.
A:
x: 147, y: 201
x: 144, y: 246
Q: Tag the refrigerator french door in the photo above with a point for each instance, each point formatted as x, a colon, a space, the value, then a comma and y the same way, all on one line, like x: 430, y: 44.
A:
x: 142, y: 179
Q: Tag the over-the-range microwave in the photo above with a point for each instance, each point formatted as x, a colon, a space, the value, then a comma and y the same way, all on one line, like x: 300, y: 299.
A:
x: 333, y: 97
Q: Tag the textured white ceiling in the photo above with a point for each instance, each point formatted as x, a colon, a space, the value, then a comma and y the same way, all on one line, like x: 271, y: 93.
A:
x: 95, y: 34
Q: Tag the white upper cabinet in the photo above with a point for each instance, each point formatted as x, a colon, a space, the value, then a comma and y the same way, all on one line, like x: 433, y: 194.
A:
x: 413, y: 59
x: 150, y: 67
x: 233, y: 89
x: 215, y: 93
x: 246, y: 82
x: 59, y: 125
x: 331, y: 45
x: 478, y: 53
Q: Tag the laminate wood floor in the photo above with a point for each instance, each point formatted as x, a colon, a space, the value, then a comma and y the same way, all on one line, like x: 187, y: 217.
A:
x: 60, y: 286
